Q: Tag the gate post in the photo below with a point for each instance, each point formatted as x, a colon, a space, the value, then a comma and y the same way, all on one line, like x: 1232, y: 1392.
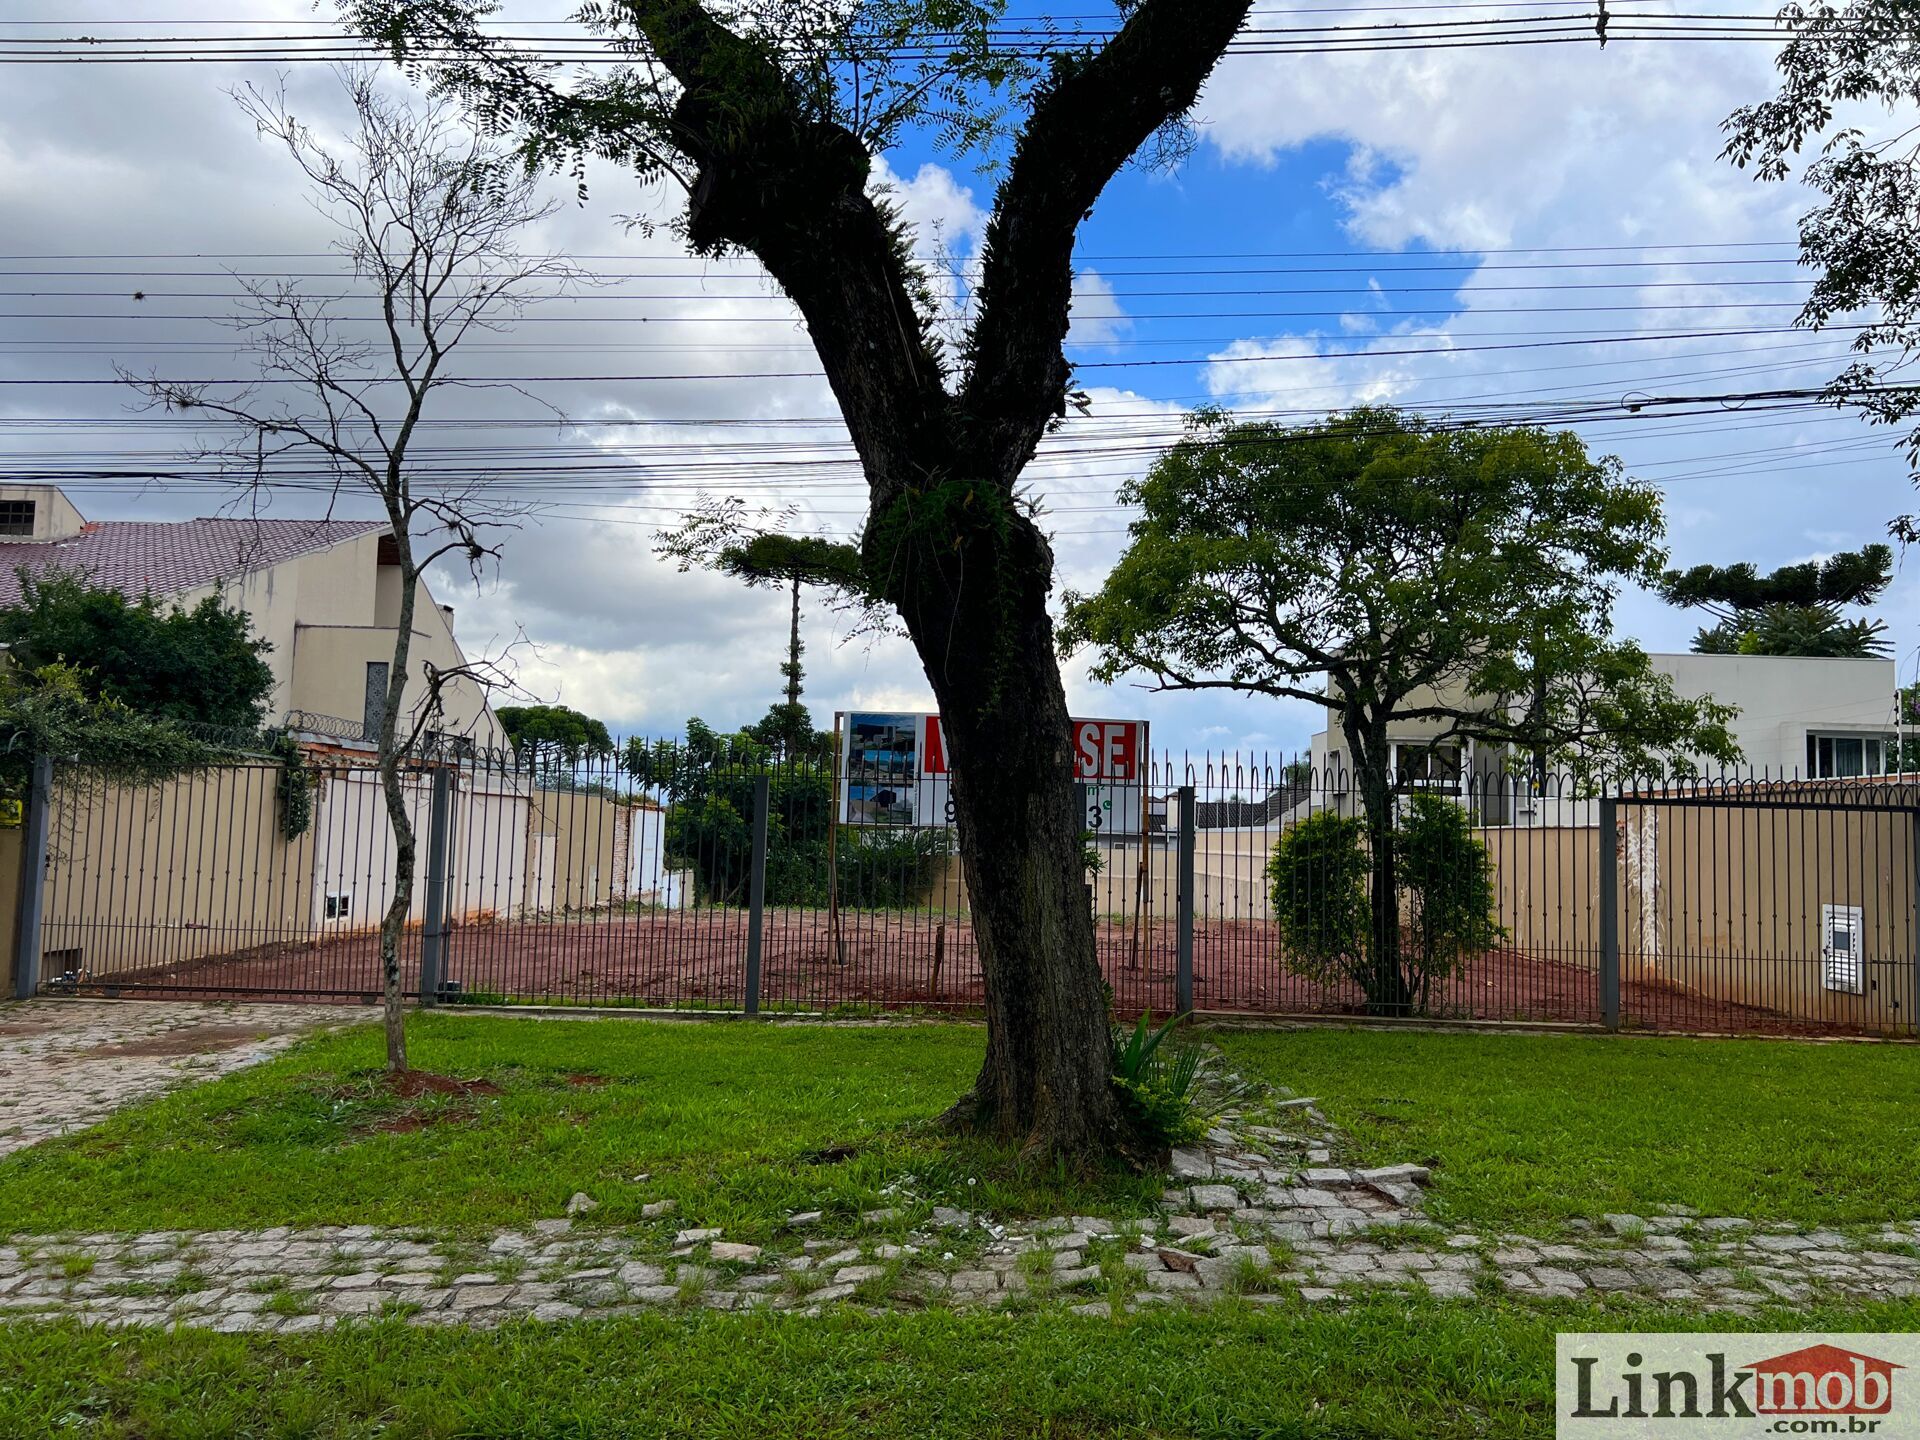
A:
x: 1913, y: 913
x: 1610, y: 911
x: 33, y: 880
x: 1183, y: 925
x: 757, y: 888
x: 433, y: 938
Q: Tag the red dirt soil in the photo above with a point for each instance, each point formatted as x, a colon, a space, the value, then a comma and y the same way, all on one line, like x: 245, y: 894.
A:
x: 696, y: 959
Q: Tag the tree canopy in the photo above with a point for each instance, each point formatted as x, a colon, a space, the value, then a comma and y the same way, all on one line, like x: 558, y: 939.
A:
x: 1795, y: 610
x: 199, y: 664
x: 550, y: 735
x: 1463, y: 577
x: 1863, y: 240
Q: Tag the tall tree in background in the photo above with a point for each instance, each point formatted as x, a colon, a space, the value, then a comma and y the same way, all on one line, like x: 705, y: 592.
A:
x: 1460, y: 579
x: 718, y: 535
x: 431, y: 220
x: 552, y: 739
x: 1863, y: 242
x: 1796, y: 610
x: 199, y: 664
x: 770, y: 116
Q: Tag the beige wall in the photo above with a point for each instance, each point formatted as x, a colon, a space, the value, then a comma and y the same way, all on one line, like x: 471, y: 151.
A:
x: 143, y: 879
x: 579, y: 851
x: 54, y: 516
x: 327, y: 614
x: 1703, y: 889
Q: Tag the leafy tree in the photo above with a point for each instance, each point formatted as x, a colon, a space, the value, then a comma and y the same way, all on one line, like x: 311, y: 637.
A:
x: 709, y: 782
x: 201, y: 664
x: 1863, y: 240
x: 58, y: 709
x: 718, y: 535
x: 1461, y: 578
x: 1319, y: 875
x: 1796, y: 610
x: 552, y: 739
x: 770, y: 116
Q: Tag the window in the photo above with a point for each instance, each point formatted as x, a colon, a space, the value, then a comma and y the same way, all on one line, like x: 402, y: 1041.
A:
x: 376, y: 699
x: 339, y: 905
x: 1840, y: 949
x: 1427, y: 767
x: 1841, y: 757
x: 16, y: 517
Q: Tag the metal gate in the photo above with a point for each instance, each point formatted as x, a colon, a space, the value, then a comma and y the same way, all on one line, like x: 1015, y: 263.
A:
x: 1768, y: 906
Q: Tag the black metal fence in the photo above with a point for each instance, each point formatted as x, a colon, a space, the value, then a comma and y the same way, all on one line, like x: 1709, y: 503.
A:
x: 676, y: 875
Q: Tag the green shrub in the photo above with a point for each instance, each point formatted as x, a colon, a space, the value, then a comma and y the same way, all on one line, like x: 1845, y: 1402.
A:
x: 709, y: 783
x: 1320, y: 888
x: 1160, y: 1081
x: 1318, y: 879
x: 1444, y: 872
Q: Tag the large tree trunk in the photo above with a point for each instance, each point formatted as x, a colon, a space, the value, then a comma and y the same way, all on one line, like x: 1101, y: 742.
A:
x: 989, y: 653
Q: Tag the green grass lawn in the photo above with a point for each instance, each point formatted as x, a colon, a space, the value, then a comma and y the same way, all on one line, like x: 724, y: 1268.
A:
x: 739, y: 1124
x: 1527, y: 1131
x: 1384, y: 1366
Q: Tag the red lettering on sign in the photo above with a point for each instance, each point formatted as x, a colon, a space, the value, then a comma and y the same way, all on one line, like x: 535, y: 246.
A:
x: 933, y: 751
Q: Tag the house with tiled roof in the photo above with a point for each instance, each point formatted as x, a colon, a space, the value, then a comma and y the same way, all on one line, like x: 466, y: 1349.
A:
x: 324, y: 593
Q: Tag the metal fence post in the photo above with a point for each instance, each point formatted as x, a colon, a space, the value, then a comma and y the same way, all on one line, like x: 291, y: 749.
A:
x: 1183, y: 928
x: 1610, y: 911
x: 33, y: 880
x: 757, y: 889
x: 433, y: 941
x: 1913, y: 912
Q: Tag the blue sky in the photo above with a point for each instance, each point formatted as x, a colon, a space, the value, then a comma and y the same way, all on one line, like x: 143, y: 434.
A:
x: 1424, y: 200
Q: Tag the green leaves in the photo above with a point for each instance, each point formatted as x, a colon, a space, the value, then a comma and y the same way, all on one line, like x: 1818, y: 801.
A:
x: 199, y: 665
x: 1442, y: 574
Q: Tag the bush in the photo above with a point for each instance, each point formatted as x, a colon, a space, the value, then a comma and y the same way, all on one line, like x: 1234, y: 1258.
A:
x: 1447, y: 878
x: 710, y: 784
x: 1319, y: 874
x: 1158, y: 1081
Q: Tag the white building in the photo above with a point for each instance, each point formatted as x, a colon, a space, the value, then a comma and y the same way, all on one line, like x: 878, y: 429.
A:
x: 1797, y: 717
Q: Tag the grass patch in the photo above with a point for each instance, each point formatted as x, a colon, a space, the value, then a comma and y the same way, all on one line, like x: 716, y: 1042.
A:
x: 1382, y: 1366
x: 739, y: 1125
x: 1529, y: 1131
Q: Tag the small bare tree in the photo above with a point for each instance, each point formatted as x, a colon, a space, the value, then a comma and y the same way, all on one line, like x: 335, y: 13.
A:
x: 431, y: 219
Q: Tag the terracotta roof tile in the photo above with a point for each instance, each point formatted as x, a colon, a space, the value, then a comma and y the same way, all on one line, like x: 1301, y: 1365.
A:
x: 163, y: 558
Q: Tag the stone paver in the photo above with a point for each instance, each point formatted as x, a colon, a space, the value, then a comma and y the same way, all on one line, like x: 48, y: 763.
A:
x: 67, y: 1064
x: 1259, y: 1211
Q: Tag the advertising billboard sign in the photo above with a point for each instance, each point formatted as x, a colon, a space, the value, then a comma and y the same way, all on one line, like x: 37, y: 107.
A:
x: 893, y: 771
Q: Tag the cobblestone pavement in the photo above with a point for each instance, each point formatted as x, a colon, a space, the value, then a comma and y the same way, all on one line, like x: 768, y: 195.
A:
x: 1258, y: 1212
x: 67, y: 1064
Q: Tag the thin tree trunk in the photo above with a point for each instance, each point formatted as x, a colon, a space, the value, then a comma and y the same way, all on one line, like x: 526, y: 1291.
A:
x: 393, y: 923
x: 1383, y: 980
x: 792, y: 666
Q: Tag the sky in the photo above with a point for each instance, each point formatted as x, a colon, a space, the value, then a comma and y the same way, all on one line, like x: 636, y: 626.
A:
x: 1429, y: 227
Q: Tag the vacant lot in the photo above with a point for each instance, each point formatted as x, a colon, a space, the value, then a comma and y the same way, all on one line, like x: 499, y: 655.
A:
x: 1528, y: 1131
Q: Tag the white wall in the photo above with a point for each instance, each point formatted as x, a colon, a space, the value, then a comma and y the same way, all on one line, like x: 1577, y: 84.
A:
x: 354, y: 847
x: 1783, y: 697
